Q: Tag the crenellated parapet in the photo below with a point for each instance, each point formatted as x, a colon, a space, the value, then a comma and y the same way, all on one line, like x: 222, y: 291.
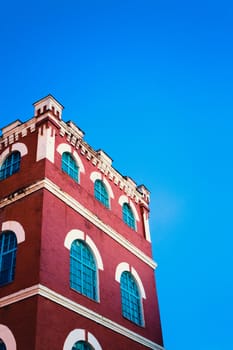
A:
x: 48, y: 110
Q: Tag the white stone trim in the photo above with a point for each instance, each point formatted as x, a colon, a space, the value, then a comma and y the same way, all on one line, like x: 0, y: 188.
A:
x: 64, y: 147
x: 124, y: 199
x: 139, y: 282
x: 74, y: 136
x: 79, y: 162
x: 134, y: 210
x: 45, y: 143
x: 77, y: 234
x: 71, y: 236
x: 146, y: 226
x: 96, y: 252
x: 93, y: 341
x: 20, y: 147
x: 120, y: 269
x: 95, y: 175
x: 20, y: 295
x: 75, y: 205
x: 73, y: 337
x: 79, y: 309
x: 49, y: 102
x: 123, y: 266
x: 15, y: 227
x: 8, y: 338
x: 4, y: 155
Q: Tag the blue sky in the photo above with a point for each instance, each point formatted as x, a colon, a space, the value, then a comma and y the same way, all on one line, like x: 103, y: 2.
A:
x: 151, y: 83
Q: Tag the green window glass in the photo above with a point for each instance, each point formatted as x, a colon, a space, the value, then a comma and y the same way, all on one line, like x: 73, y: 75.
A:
x: 83, y: 275
x: 130, y: 298
x: 128, y: 216
x: 11, y: 165
x: 8, y: 249
x: 69, y: 166
x: 101, y: 193
x: 81, y: 345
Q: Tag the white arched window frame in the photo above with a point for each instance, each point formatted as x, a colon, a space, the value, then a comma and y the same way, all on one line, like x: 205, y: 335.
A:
x: 124, y: 266
x: 13, y: 233
x: 95, y: 175
x: 18, y: 146
x: 81, y: 335
x: 10, y: 159
x: 15, y: 227
x: 64, y: 147
x: 124, y: 199
x: 7, y: 337
x: 80, y: 235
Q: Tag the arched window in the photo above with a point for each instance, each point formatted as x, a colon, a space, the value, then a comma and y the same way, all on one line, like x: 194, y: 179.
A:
x: 101, y: 193
x: 130, y: 298
x: 128, y: 216
x: 8, y: 248
x: 69, y: 166
x: 2, y: 345
x: 81, y: 345
x: 83, y: 276
x: 11, y: 165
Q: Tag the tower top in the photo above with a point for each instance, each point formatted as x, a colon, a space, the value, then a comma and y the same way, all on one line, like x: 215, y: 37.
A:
x: 48, y: 103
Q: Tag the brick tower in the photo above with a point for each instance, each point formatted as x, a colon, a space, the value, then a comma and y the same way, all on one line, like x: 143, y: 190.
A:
x: 76, y: 268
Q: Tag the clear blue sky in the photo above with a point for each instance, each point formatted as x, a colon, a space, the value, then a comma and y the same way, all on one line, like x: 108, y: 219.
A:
x: 151, y: 83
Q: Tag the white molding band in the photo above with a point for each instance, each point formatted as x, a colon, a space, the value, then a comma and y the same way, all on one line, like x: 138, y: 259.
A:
x: 74, y: 204
x: 79, y: 309
x: 15, y: 227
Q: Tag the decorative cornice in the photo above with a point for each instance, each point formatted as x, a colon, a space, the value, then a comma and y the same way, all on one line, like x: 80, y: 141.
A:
x: 74, y: 204
x: 77, y: 308
x: 74, y: 136
x: 20, y: 130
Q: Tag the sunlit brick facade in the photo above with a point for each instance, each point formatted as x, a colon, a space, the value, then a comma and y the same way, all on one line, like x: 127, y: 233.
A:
x: 76, y: 267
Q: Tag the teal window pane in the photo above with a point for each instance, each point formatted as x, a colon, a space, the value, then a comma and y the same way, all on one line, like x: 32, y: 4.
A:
x: 69, y: 166
x: 130, y: 298
x: 81, y: 345
x: 8, y: 248
x: 101, y: 193
x: 128, y: 216
x: 83, y: 275
x: 11, y: 165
